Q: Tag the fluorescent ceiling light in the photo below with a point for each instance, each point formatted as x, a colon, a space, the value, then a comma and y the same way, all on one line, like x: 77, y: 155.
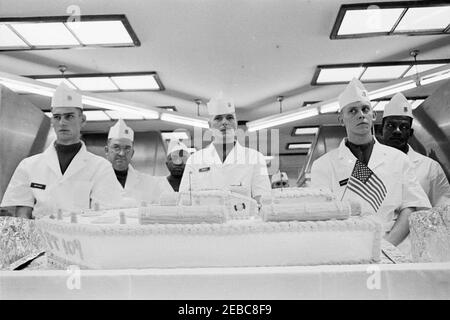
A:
x: 143, y: 82
x: 169, y: 108
x: 56, y: 32
x: 416, y: 103
x: 293, y: 146
x: 306, y: 131
x: 45, y: 34
x: 175, y: 118
x: 125, y: 115
x: 280, y: 119
x: 49, y: 114
x: 26, y: 87
x: 421, y: 68
x: 118, y: 106
x: 96, y: 116
x: 57, y: 82
x: 100, y: 32
x: 176, y: 135
x: 93, y: 83
x: 8, y: 39
x: 387, y: 18
x: 426, y: 18
x: 331, y: 75
x: 392, y: 89
x: 380, y: 105
x: 437, y: 76
x: 331, y: 107
x: 369, y: 21
x: 125, y: 81
x: 383, y: 73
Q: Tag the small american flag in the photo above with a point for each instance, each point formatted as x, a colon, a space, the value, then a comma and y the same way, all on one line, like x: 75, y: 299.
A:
x: 365, y: 183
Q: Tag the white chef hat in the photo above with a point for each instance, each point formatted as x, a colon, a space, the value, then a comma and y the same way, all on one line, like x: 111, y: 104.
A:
x: 354, y: 92
x: 398, y: 106
x: 65, y: 97
x: 279, y: 176
x: 176, y: 145
x: 121, y: 130
x: 220, y: 105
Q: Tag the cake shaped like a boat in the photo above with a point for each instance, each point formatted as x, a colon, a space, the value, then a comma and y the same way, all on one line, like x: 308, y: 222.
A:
x: 200, y: 230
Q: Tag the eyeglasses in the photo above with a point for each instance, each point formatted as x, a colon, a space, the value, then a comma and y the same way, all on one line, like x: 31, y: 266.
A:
x: 117, y: 149
x: 281, y: 184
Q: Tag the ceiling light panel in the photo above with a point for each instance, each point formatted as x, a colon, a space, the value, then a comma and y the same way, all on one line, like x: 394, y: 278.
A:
x: 383, y: 73
x: 333, y: 75
x: 369, y: 21
x: 137, y: 82
x: 421, y: 68
x: 45, y: 34
x: 125, y: 115
x: 94, y: 83
x: 101, y: 32
x: 8, y: 39
x: 380, y: 105
x: 96, y: 116
x: 426, y: 18
x: 57, y: 82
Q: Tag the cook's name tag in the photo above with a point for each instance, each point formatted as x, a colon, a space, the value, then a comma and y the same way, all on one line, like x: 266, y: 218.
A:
x: 206, y: 169
x: 343, y: 182
x: 37, y: 185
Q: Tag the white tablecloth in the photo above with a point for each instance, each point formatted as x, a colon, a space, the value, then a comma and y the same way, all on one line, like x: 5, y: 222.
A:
x: 382, y: 281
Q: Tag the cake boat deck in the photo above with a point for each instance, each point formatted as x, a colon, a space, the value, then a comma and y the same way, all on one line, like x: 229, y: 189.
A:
x: 240, y: 244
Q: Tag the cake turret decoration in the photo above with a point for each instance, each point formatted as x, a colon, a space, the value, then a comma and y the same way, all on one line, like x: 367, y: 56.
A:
x: 73, y: 217
x: 59, y: 214
x: 122, y: 217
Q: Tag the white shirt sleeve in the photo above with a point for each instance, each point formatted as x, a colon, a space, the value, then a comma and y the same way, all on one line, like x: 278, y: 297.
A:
x: 321, y: 174
x: 413, y: 194
x: 184, y: 184
x: 439, y: 186
x: 18, y: 192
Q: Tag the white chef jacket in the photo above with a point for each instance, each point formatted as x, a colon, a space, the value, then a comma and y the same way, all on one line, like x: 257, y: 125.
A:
x: 431, y: 177
x: 389, y: 164
x: 38, y: 183
x: 244, y: 171
x: 143, y: 187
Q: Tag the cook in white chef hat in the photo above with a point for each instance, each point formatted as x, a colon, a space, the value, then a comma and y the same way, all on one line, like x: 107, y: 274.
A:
x: 121, y: 131
x: 354, y: 92
x: 280, y: 180
x: 398, y: 106
x: 65, y: 97
x: 176, y: 145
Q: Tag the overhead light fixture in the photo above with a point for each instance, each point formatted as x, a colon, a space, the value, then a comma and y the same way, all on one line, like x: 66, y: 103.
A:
x: 96, y: 116
x: 305, y: 131
x: 175, y: 135
x: 107, y: 82
x: 56, y: 32
x: 380, y: 105
x: 168, y: 108
x: 125, y: 115
x: 391, y: 18
x: 392, y: 89
x: 372, y: 71
x: 189, y: 121
x: 337, y: 75
x: 416, y: 103
x: 436, y: 76
x: 331, y: 107
x: 294, y: 146
x: 280, y: 119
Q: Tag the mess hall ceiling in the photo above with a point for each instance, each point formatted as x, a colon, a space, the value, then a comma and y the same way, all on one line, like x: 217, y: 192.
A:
x: 252, y: 51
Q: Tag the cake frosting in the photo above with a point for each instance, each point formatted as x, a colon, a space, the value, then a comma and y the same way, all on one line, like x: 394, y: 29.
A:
x: 203, y: 229
x: 303, y: 204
